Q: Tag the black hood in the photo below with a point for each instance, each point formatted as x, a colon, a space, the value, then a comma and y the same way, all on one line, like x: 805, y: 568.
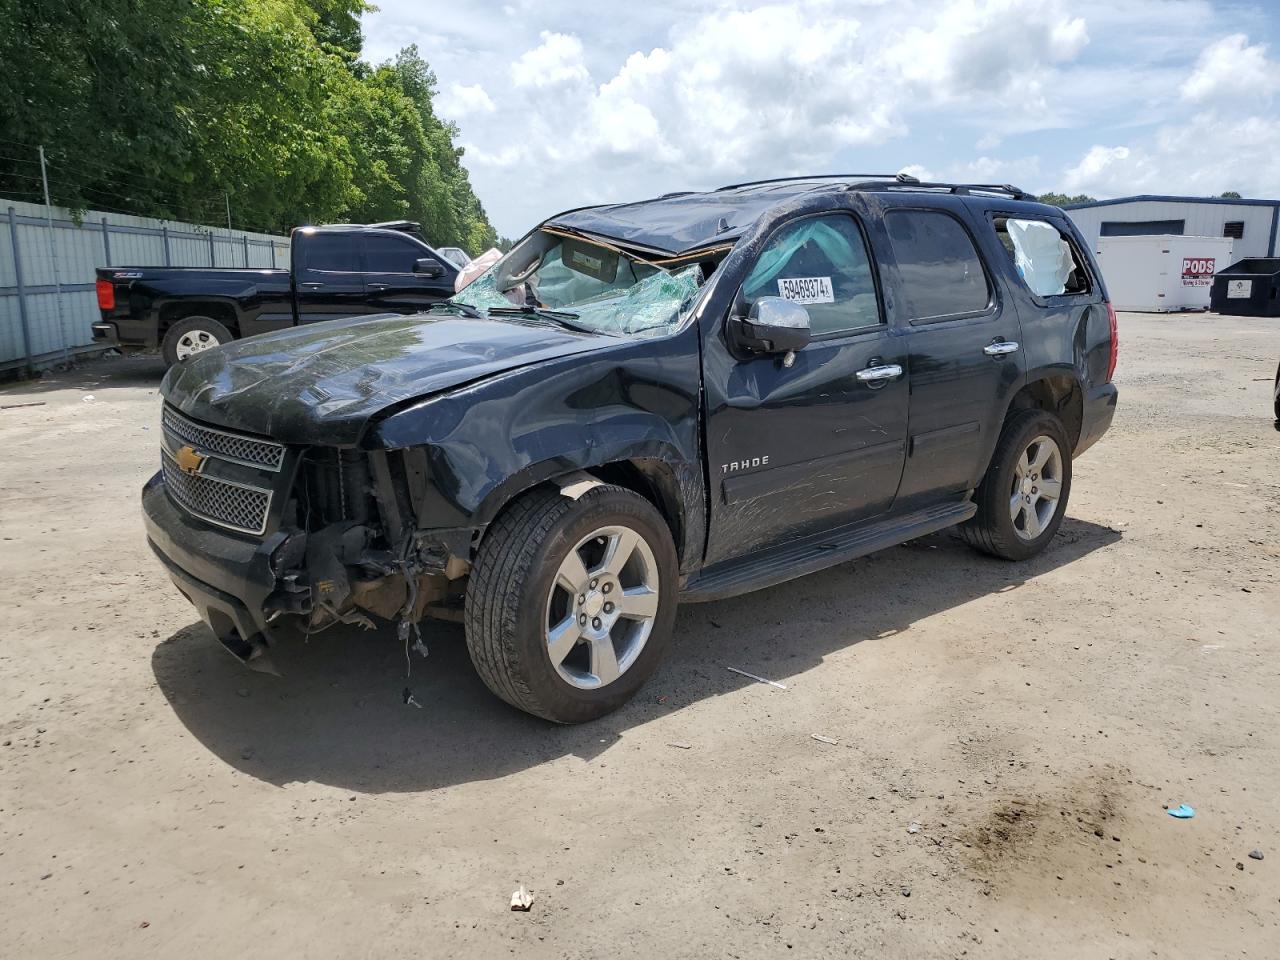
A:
x: 321, y: 383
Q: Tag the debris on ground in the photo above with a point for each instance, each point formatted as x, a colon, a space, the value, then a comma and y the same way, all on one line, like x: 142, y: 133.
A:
x: 1182, y: 812
x: 15, y: 406
x: 681, y: 746
x: 914, y: 827
x: 821, y: 739
x: 522, y: 899
x: 88, y: 398
x: 1255, y: 854
x: 906, y: 891
x: 407, y: 696
x: 752, y: 676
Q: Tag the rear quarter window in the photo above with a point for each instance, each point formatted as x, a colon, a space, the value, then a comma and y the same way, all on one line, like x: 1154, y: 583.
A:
x: 941, y: 272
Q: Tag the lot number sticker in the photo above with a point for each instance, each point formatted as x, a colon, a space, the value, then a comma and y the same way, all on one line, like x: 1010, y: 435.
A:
x: 1197, y: 271
x: 806, y: 289
x: 1239, y: 289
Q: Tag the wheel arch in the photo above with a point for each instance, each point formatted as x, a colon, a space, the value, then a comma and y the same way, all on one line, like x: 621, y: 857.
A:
x: 668, y: 484
x: 1056, y: 391
x: 171, y: 311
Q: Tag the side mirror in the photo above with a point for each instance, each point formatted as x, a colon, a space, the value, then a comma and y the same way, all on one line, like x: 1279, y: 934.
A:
x: 774, y: 325
x: 428, y: 267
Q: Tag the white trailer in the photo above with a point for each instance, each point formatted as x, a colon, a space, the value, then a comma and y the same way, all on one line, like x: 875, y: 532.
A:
x: 1154, y: 274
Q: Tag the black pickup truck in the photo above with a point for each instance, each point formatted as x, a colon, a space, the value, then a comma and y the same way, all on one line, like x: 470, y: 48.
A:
x: 343, y: 270
x: 681, y: 399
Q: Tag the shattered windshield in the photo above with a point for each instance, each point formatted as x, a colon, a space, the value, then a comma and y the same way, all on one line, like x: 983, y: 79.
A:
x: 603, y: 289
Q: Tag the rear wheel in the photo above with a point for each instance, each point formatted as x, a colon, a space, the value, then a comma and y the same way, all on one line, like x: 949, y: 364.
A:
x: 192, y: 335
x: 571, y: 603
x: 1023, y: 496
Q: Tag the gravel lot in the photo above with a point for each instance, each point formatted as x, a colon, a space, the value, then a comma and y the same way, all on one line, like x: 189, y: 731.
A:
x: 158, y: 800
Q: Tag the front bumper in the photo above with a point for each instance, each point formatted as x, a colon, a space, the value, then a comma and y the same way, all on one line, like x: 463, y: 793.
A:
x: 227, y: 578
x: 1099, y: 411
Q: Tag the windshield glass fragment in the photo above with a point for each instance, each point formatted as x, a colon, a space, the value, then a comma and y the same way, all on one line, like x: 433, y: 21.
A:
x: 607, y: 290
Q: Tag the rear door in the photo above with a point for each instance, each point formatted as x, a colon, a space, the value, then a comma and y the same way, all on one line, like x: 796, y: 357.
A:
x: 394, y: 282
x: 328, y: 275
x: 801, y: 444
x: 963, y: 345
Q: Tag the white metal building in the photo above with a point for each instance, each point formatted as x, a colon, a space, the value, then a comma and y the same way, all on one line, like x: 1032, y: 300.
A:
x: 1251, y: 223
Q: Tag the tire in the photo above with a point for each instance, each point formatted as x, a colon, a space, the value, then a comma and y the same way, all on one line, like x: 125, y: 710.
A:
x: 994, y: 529
x: 516, y: 593
x: 191, y: 335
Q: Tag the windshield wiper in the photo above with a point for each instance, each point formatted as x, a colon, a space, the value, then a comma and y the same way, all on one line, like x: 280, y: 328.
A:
x: 563, y: 318
x: 466, y: 309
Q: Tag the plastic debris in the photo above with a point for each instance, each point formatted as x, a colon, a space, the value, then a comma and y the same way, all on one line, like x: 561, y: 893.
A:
x: 821, y: 739
x: 88, y: 398
x: 1255, y: 854
x: 407, y: 696
x: 752, y: 676
x: 914, y: 827
x: 1182, y: 812
x: 521, y: 899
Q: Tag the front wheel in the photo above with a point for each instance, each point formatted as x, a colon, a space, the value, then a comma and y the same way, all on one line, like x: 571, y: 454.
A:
x: 571, y: 603
x: 1022, y: 498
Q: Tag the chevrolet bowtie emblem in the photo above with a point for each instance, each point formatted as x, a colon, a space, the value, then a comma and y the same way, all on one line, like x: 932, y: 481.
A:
x: 189, y: 461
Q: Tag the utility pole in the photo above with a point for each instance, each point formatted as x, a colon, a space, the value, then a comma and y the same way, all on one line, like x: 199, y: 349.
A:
x: 228, y: 199
x: 53, y: 257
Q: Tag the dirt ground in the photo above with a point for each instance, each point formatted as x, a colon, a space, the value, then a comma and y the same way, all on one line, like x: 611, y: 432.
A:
x: 158, y: 800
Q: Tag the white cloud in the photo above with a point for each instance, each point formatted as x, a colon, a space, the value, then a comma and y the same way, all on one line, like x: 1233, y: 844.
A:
x: 1209, y: 153
x: 674, y: 95
x: 461, y: 100
x: 1231, y: 68
x: 557, y: 60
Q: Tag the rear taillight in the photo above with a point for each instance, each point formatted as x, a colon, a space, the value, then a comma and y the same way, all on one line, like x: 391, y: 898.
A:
x: 1115, y: 342
x: 107, y: 295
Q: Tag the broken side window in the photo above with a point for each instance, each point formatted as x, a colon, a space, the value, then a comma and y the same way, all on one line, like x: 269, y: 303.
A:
x: 1043, y: 256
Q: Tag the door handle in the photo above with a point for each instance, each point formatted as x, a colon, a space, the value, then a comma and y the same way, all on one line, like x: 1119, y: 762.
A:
x: 884, y: 371
x: 1000, y: 348
x: 311, y: 284
x: 376, y: 286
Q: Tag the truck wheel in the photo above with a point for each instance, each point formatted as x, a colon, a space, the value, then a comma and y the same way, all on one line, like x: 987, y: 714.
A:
x: 571, y: 603
x: 192, y: 335
x: 1022, y: 498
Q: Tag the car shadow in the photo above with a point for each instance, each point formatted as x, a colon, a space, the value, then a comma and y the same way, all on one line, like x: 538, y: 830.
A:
x: 337, y: 713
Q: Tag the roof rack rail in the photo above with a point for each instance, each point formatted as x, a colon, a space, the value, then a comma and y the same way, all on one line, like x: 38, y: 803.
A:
x: 905, y: 181
x: 405, y: 226
x: 815, y: 176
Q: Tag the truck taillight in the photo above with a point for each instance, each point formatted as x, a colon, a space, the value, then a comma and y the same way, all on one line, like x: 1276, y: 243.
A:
x: 106, y: 295
x: 1115, y: 342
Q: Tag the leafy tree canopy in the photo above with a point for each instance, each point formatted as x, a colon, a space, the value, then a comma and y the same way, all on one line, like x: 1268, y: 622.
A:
x: 170, y: 109
x: 1230, y: 195
x: 1061, y: 199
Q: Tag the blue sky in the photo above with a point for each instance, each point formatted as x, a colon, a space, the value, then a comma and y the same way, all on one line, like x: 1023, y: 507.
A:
x: 561, y: 104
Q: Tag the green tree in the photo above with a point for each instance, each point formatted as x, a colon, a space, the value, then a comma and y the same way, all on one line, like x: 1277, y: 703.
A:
x: 1061, y: 199
x: 170, y: 109
x: 1229, y: 195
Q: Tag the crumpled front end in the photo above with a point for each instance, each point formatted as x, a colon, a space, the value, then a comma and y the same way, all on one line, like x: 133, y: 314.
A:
x: 256, y: 533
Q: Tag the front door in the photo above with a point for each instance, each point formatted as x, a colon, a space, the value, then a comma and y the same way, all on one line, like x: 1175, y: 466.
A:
x: 393, y: 284
x: 803, y: 443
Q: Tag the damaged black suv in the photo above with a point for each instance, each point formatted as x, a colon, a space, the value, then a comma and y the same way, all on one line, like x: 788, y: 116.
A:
x: 680, y: 399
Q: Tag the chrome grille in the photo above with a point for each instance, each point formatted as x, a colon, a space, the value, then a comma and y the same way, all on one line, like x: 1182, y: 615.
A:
x: 228, y: 446
x: 224, y: 502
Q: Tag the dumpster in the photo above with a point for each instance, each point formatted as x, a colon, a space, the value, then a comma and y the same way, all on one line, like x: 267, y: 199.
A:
x: 1162, y: 272
x: 1250, y: 288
